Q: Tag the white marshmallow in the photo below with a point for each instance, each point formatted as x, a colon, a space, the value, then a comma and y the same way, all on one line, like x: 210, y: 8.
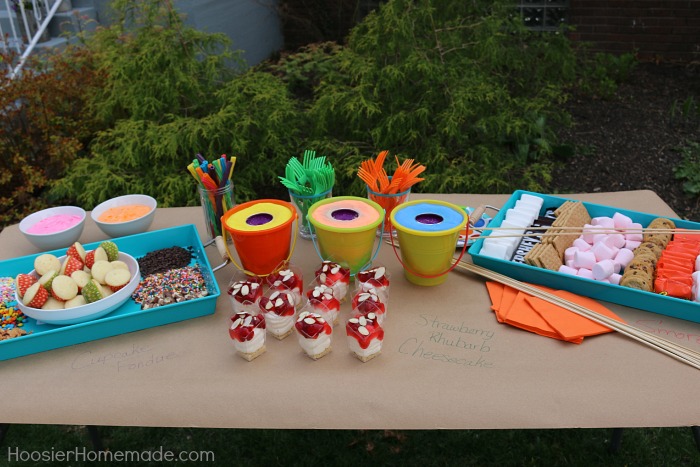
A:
x: 584, y: 259
x: 518, y: 219
x: 615, y: 278
x: 494, y: 250
x: 697, y: 263
x: 532, y: 199
x: 603, y: 269
x: 599, y: 238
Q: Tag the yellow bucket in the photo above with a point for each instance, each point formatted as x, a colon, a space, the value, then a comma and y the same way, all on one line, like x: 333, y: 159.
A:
x: 427, y: 231
x: 345, y: 228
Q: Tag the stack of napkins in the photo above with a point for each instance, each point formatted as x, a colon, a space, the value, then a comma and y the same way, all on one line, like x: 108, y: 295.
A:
x: 537, y: 315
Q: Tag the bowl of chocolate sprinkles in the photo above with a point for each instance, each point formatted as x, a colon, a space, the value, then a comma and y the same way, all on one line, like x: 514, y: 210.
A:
x: 165, y: 259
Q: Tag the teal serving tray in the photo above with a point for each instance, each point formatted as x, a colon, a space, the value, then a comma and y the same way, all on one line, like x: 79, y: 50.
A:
x: 648, y: 301
x: 127, y: 318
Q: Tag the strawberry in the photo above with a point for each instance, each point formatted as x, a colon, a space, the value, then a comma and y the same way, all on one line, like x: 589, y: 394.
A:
x: 71, y: 264
x: 111, y: 249
x: 24, y: 281
x: 35, y: 296
x: 77, y: 251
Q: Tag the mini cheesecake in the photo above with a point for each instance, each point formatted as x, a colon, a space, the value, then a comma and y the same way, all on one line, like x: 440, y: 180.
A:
x: 287, y: 279
x: 248, y: 334
x: 279, y: 312
x: 365, y: 336
x: 334, y: 276
x: 314, y: 334
x: 369, y: 302
x: 376, y: 278
x: 245, y: 296
x: 324, y: 302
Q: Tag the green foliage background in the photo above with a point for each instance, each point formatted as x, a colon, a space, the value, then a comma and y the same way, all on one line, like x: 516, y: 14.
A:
x: 461, y: 87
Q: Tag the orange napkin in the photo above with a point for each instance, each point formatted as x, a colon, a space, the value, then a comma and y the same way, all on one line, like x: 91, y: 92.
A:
x: 534, y: 314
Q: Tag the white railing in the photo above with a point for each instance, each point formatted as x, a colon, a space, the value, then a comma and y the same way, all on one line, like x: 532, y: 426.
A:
x: 28, y: 20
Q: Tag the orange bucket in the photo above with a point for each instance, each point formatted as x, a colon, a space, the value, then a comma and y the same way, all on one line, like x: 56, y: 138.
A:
x: 261, y: 231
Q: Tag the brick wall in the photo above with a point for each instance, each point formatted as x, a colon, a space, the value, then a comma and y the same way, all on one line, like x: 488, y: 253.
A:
x: 667, y: 30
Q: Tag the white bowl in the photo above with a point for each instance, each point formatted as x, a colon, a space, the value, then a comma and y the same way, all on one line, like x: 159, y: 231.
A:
x: 54, y: 240
x: 94, y: 310
x: 119, y: 229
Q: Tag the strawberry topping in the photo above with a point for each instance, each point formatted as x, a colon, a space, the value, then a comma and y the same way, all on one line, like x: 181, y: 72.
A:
x: 244, y: 324
x: 364, y: 328
x: 279, y: 303
x: 311, y: 325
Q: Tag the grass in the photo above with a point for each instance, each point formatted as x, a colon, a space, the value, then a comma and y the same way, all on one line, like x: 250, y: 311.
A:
x: 640, y: 446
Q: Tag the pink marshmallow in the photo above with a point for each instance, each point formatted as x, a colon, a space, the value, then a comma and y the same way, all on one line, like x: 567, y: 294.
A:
x: 620, y: 221
x: 615, y: 278
x: 588, y: 232
x: 599, y: 238
x: 584, y: 272
x: 634, y: 232
x: 615, y: 240
x: 584, y: 259
x: 631, y: 244
x: 603, y: 251
x: 581, y: 244
x: 569, y: 253
x: 603, y: 221
x: 570, y: 263
x: 567, y: 270
x: 623, y: 257
x: 603, y: 269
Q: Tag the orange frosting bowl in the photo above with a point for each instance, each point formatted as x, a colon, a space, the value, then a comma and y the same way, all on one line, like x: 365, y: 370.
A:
x: 125, y: 215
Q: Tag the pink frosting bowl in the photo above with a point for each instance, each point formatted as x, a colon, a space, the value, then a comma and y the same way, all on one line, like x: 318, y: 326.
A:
x: 54, y: 228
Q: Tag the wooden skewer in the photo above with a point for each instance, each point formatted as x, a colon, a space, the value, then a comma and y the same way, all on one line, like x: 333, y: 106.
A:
x: 595, y: 229
x: 678, y: 352
x: 673, y: 350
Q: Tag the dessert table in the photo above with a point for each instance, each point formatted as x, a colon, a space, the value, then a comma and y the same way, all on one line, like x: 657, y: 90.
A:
x: 446, y: 363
